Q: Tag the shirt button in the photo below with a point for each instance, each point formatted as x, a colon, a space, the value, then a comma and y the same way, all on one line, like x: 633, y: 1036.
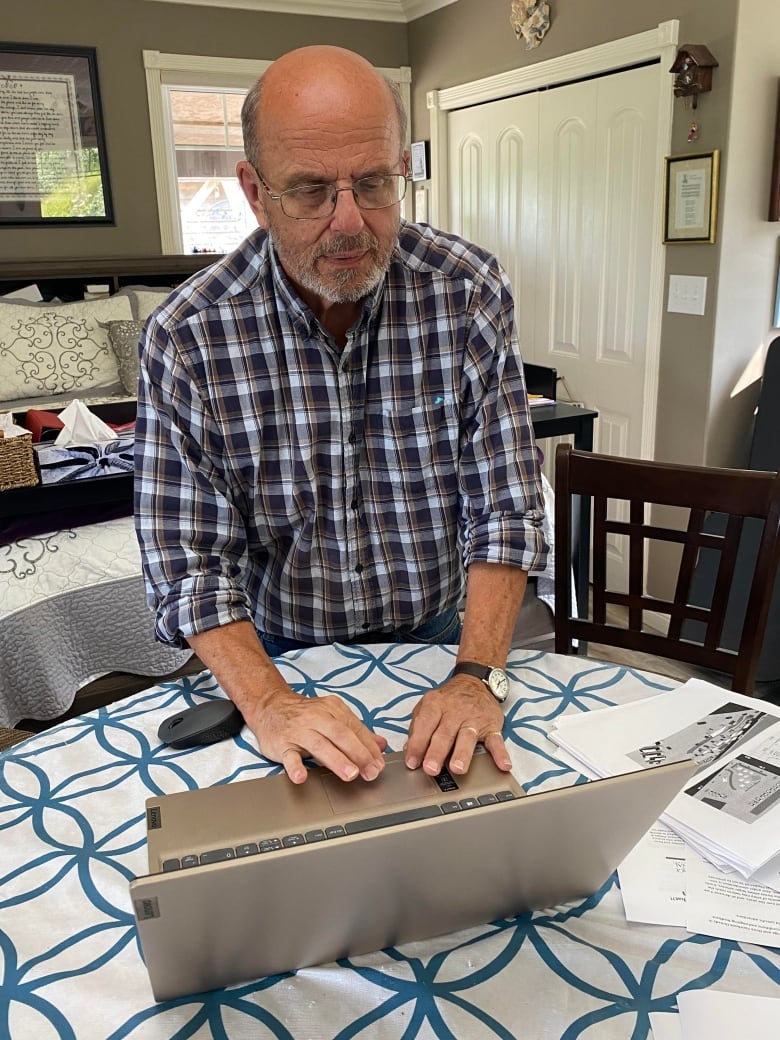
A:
x: 354, y: 504
x: 358, y: 568
x: 365, y: 625
x: 352, y: 438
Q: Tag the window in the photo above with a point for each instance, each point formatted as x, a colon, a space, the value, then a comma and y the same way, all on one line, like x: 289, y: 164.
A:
x: 206, y: 127
x: 195, y: 115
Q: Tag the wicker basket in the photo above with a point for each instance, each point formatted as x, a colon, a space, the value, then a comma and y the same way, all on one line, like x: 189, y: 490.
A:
x: 17, y: 463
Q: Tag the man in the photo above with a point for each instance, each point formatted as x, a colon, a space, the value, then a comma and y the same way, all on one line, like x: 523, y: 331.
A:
x: 332, y: 421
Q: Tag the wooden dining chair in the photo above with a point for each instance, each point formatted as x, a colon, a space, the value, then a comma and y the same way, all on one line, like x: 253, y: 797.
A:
x: 625, y: 496
x: 10, y: 737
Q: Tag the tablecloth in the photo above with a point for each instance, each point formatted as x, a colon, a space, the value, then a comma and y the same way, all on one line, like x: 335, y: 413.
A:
x: 73, y: 834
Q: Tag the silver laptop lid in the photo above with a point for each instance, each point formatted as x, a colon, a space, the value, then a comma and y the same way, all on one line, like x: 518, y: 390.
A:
x: 228, y: 920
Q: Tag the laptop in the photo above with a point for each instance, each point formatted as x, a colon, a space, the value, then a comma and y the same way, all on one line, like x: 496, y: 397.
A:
x: 262, y: 876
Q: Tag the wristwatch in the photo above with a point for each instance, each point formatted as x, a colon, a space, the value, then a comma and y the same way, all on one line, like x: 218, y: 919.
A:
x: 496, y: 679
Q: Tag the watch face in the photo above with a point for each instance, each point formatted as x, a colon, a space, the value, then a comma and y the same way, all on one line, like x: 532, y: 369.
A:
x: 498, y: 681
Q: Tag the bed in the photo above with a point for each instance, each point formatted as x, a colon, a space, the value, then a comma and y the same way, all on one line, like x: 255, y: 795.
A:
x: 72, y: 605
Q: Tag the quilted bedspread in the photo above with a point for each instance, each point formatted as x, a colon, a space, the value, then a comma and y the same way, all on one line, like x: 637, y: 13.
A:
x: 72, y: 608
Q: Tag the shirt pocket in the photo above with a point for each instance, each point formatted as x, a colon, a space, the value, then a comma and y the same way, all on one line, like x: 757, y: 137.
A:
x: 415, y: 448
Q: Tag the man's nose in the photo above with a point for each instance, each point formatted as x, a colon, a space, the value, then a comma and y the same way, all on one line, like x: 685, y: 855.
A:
x: 347, y: 216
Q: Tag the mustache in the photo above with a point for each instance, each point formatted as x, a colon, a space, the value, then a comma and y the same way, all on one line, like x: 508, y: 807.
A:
x: 347, y: 244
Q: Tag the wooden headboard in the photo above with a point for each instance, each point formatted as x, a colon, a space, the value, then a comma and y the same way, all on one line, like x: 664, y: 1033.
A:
x: 65, y: 279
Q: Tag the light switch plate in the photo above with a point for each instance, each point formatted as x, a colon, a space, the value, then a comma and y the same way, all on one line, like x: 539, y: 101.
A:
x: 687, y: 294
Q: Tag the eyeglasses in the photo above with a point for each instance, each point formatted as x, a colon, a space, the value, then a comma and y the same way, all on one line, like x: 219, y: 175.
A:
x: 314, y: 201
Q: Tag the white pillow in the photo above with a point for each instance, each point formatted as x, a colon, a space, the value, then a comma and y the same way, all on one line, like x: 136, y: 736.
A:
x: 58, y: 348
x: 145, y: 300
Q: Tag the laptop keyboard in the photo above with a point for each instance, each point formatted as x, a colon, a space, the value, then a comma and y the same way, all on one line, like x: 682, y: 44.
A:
x: 336, y: 830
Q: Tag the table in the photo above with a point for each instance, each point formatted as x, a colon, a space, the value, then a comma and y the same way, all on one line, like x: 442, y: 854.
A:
x: 72, y: 816
x: 559, y: 420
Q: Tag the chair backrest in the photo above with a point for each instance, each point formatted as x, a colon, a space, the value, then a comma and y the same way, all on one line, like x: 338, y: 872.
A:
x: 621, y: 492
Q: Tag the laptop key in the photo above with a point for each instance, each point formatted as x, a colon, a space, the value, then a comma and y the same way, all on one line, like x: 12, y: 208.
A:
x: 373, y: 823
x: 270, y: 844
x: 190, y: 861
x: 336, y: 831
x: 248, y: 849
x: 487, y: 799
x: 505, y: 796
x: 469, y: 803
x: 216, y: 856
x: 291, y: 840
x: 315, y: 835
x: 171, y: 864
x: 450, y: 807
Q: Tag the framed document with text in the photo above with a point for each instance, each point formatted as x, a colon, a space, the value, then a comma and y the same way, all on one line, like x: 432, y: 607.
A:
x: 53, y: 167
x: 691, y: 197
x: 419, y: 150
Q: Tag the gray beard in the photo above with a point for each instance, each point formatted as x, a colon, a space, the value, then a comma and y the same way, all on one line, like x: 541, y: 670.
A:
x: 344, y: 286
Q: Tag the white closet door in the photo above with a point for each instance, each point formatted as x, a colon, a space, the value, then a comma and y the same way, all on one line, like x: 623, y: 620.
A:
x: 493, y: 161
x: 562, y: 184
x: 596, y: 222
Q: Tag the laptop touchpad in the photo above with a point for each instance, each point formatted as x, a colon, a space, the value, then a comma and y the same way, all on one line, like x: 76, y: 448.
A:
x: 395, y: 785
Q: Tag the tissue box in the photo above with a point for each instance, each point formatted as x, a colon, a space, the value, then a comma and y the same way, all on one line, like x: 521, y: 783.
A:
x: 17, y: 463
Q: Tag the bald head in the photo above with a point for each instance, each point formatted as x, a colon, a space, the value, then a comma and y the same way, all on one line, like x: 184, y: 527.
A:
x: 315, y: 86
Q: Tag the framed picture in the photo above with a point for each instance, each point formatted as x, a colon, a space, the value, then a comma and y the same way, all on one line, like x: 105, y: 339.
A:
x: 419, y: 161
x: 774, y: 191
x: 691, y: 197
x: 53, y: 167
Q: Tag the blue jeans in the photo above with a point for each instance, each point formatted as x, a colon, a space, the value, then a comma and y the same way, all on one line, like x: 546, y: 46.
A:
x: 444, y: 628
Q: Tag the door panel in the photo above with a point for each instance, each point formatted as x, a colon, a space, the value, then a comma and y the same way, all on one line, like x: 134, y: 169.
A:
x: 561, y: 184
x: 494, y: 195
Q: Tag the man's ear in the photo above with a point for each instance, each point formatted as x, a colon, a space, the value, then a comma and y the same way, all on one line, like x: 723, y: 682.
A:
x: 253, y: 190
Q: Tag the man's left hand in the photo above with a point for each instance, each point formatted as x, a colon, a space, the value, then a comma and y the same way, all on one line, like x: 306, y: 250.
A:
x: 450, y: 721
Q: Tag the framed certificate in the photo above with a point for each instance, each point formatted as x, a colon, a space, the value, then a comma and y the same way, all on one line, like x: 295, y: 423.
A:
x: 774, y: 191
x: 691, y: 197
x: 419, y: 160
x: 53, y: 167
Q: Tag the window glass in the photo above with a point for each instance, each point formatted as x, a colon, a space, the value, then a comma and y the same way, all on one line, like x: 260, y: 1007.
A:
x: 207, y: 142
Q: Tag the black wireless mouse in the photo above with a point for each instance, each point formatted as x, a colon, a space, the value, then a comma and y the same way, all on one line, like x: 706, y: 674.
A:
x: 206, y: 723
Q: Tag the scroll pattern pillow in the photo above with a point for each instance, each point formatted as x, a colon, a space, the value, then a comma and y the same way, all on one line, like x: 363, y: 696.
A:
x: 124, y: 336
x: 58, y: 348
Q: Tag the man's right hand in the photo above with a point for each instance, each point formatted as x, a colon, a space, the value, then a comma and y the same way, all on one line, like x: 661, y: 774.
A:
x: 288, y: 727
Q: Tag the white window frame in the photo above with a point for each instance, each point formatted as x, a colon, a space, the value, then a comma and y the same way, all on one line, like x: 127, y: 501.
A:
x: 195, y: 71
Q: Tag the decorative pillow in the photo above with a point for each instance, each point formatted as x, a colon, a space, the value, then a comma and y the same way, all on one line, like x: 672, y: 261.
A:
x: 145, y: 299
x: 58, y: 348
x: 124, y: 336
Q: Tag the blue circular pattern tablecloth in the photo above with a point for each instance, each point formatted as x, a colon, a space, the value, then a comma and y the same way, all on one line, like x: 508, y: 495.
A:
x: 72, y: 835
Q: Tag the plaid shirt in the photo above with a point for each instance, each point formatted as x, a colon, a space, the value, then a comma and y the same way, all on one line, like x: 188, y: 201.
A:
x: 323, y: 493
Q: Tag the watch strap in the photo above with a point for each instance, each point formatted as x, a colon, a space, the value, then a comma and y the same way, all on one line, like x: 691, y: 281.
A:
x: 479, y: 671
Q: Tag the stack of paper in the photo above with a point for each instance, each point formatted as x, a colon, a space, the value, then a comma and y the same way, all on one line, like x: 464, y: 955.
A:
x: 730, y: 811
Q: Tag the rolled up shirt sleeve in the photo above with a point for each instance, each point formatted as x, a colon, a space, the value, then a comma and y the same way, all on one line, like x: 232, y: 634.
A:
x: 190, y: 529
x: 502, y: 497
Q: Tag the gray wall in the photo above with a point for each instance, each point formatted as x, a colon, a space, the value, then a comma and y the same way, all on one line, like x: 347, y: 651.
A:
x: 121, y: 30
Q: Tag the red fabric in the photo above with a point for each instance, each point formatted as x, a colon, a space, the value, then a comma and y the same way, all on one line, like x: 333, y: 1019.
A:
x: 41, y: 423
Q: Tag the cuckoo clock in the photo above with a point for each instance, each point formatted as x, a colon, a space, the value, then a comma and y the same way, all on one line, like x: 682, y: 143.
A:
x: 692, y: 70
